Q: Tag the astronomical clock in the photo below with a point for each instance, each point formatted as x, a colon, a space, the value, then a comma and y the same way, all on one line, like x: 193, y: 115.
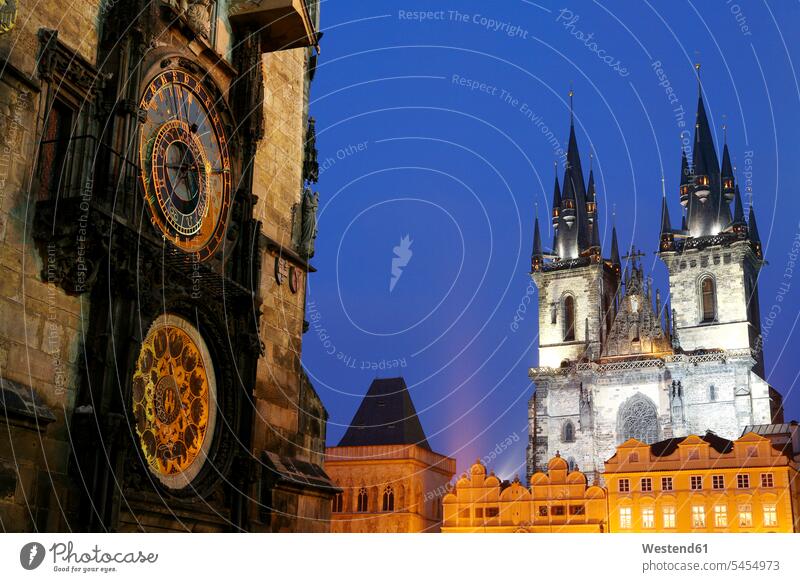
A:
x: 186, y: 169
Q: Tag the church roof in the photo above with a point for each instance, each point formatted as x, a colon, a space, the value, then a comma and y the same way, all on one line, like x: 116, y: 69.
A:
x: 386, y: 416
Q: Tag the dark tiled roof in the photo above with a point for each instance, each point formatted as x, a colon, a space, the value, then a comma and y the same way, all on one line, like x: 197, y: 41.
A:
x: 770, y: 429
x: 386, y: 417
x: 668, y: 446
x: 298, y: 473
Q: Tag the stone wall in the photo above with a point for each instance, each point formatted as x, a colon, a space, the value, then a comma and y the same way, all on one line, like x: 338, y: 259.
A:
x: 41, y: 326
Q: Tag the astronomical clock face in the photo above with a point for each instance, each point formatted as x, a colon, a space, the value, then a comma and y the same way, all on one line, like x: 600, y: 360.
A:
x: 186, y: 170
x: 174, y: 401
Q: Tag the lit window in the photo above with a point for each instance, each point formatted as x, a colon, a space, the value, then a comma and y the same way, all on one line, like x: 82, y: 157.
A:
x: 666, y: 483
x: 625, y: 518
x: 338, y: 503
x: 696, y: 482
x: 709, y: 299
x: 569, y: 318
x: 698, y: 516
x: 624, y: 486
x: 633, y: 458
x: 717, y: 482
x: 743, y: 481
x: 767, y: 480
x: 668, y: 513
x: 770, y: 515
x: 647, y: 484
x: 720, y: 516
x: 745, y: 515
x: 577, y: 510
x: 388, y: 498
x: 648, y: 518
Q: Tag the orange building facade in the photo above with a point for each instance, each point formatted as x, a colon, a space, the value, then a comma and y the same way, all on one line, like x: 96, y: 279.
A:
x: 391, y: 481
x: 557, y: 501
x: 703, y: 484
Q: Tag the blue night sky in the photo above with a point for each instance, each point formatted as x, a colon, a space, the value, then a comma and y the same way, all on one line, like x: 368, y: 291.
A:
x: 438, y: 130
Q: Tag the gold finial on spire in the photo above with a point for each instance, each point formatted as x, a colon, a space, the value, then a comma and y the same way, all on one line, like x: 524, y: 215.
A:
x: 571, y: 94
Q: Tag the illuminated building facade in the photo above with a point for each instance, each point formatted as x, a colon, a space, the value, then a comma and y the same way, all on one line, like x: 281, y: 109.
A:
x: 391, y: 480
x: 615, y: 361
x: 704, y: 484
x: 558, y: 501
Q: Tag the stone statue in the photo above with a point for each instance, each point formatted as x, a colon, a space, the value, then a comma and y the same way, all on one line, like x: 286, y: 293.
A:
x: 308, y: 224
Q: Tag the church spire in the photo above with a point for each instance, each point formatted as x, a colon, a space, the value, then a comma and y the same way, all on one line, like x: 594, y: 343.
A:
x: 755, y: 239
x: 575, y: 238
x: 536, y: 255
x: 708, y: 206
x: 686, y: 179
x: 614, y: 248
x: 667, y: 236
x: 739, y: 224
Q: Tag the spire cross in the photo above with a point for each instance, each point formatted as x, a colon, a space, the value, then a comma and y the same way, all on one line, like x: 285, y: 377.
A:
x: 634, y: 254
x: 663, y: 187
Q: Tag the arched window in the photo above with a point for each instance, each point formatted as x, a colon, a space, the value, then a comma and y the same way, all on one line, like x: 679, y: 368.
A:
x: 708, y: 299
x: 361, y: 507
x: 569, y: 318
x: 338, y: 503
x: 638, y: 419
x: 388, y: 499
x: 568, y: 432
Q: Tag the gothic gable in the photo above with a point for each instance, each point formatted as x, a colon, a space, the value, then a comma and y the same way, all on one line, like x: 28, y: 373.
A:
x: 637, y: 327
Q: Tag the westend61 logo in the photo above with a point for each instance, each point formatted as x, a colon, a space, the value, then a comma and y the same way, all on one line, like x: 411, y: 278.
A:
x: 66, y: 559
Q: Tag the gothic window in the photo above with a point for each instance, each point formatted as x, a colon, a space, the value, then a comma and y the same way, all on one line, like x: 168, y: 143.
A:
x: 338, y: 503
x: 56, y: 135
x: 568, y: 432
x: 712, y: 393
x: 361, y: 506
x: 708, y: 299
x: 569, y: 318
x: 638, y: 419
x: 388, y: 499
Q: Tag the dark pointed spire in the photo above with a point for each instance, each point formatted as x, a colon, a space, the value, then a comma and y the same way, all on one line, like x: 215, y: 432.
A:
x: 536, y: 254
x: 614, y: 247
x: 752, y: 229
x: 591, y: 191
x: 556, y: 191
x: 686, y: 179
x: 727, y: 174
x: 738, y: 208
x: 684, y: 228
x: 667, y: 237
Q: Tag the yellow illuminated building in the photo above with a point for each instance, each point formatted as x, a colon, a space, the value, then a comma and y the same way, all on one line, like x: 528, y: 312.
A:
x: 558, y: 501
x: 704, y: 484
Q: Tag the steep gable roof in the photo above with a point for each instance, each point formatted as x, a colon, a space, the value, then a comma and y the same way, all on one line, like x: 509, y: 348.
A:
x: 386, y: 416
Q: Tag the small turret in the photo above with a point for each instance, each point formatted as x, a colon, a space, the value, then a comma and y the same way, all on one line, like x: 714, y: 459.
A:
x: 686, y: 180
x: 537, y: 257
x: 738, y: 224
x: 667, y: 236
x: 615, y: 261
x: 556, y: 201
x: 755, y: 239
x: 728, y: 189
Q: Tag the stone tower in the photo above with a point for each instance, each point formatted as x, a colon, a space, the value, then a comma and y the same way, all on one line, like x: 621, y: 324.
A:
x: 617, y: 362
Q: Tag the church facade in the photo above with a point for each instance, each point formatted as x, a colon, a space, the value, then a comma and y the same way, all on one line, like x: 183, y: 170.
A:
x: 619, y: 361
x: 157, y: 224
